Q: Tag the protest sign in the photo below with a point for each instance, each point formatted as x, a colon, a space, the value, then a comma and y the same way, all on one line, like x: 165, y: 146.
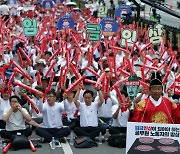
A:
x: 152, y: 138
x: 58, y: 1
x: 12, y: 3
x: 102, y: 11
x: 65, y: 22
x: 109, y: 26
x: 123, y: 12
x: 47, y: 4
x: 30, y: 27
x: 177, y: 86
x: 129, y: 36
x: 155, y: 34
x: 94, y: 30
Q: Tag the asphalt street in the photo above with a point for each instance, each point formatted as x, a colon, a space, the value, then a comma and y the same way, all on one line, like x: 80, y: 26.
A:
x: 67, y: 149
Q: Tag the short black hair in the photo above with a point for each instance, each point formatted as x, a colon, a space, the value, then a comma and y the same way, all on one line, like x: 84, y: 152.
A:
x: 88, y: 92
x: 14, y: 96
x: 5, y: 90
x: 123, y: 92
x: 73, y: 79
x: 52, y: 91
x: 47, y: 53
x: 40, y: 88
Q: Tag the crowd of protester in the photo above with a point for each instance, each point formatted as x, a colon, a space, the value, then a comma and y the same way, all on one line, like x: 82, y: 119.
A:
x: 56, y: 68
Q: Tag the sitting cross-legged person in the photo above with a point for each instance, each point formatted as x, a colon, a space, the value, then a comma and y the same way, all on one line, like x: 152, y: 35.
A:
x: 52, y: 119
x: 88, y: 114
x: 15, y: 117
x: 120, y: 116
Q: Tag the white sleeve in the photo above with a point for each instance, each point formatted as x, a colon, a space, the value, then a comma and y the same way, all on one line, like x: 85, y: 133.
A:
x: 95, y: 64
x: 84, y: 64
x: 40, y: 106
x: 114, y: 100
x: 113, y: 109
x: 65, y: 104
x: 61, y: 107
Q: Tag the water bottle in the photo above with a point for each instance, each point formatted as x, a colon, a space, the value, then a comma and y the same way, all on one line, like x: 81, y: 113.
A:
x: 53, y: 143
x: 100, y: 138
x: 4, y: 145
x: 71, y: 141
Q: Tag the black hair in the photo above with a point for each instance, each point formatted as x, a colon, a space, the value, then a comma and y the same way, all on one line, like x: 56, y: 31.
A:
x: 88, y: 92
x: 73, y: 79
x: 52, y: 91
x: 123, y: 92
x: 40, y: 88
x: 5, y: 89
x: 48, y: 53
x: 73, y: 91
x: 14, y: 96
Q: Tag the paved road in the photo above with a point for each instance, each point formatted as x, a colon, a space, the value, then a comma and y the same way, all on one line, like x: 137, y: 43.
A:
x: 67, y: 149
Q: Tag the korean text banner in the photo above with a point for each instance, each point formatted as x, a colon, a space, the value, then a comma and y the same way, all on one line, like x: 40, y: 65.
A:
x: 152, y: 138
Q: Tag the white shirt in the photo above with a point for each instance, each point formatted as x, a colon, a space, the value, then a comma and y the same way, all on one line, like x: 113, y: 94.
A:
x: 105, y: 109
x: 85, y: 63
x: 119, y: 59
x: 122, y: 118
x: 70, y: 109
x: 32, y: 111
x: 3, y: 105
x: 156, y: 103
x: 52, y: 115
x: 16, y: 120
x: 88, y: 114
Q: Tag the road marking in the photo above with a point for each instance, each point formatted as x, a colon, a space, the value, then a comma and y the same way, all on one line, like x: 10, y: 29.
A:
x: 66, y: 148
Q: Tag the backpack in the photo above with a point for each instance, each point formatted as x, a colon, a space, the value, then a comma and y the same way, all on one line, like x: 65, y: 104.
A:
x: 117, y: 140
x: 84, y: 142
x: 20, y: 142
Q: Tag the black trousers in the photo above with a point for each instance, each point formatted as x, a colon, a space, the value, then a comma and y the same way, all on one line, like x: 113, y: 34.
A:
x: 72, y: 124
x: 8, y: 134
x: 91, y: 132
x: 57, y: 133
x: 2, y: 124
x: 117, y: 130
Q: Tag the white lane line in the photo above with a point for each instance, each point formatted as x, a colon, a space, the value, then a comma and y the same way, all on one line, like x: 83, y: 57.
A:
x: 66, y: 148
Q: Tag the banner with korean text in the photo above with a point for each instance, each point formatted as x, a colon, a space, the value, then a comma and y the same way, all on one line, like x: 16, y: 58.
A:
x: 152, y: 138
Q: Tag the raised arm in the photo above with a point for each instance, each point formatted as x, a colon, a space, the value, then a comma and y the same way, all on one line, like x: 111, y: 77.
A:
x: 76, y: 97
x: 101, y: 98
x: 115, y: 115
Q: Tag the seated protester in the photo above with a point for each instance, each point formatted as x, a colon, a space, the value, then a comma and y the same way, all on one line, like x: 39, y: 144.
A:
x: 120, y: 117
x: 70, y: 110
x: 15, y: 118
x: 36, y: 100
x: 104, y: 112
x: 88, y: 114
x: 52, y: 119
x: 4, y: 103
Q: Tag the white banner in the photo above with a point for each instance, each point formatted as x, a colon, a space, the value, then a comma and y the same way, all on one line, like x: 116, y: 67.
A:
x: 152, y: 138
